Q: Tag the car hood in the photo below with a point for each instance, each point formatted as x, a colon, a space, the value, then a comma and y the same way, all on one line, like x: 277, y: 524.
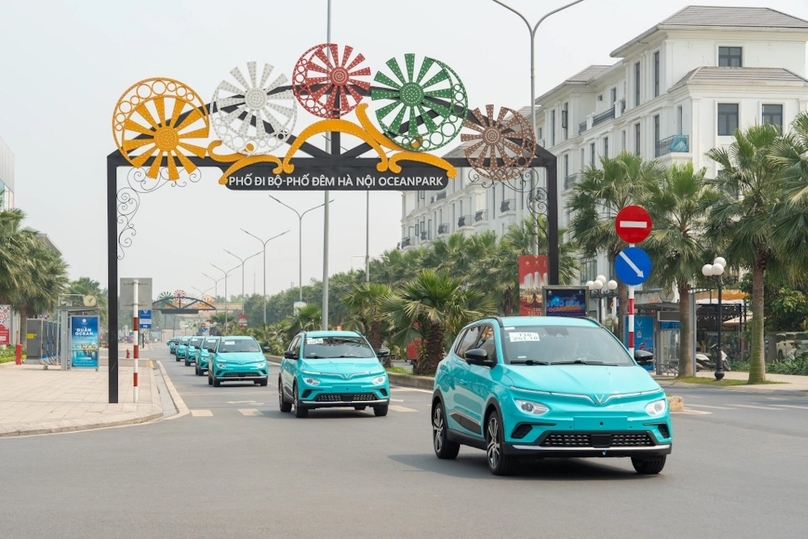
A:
x: 341, y: 366
x: 240, y: 357
x: 582, y: 379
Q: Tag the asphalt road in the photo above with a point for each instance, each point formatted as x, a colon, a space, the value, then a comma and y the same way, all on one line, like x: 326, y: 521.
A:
x: 237, y: 467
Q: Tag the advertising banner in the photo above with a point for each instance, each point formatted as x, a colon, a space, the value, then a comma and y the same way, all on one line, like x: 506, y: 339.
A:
x: 643, y: 332
x: 532, y: 277
x: 5, y: 324
x: 570, y: 301
x: 84, y: 341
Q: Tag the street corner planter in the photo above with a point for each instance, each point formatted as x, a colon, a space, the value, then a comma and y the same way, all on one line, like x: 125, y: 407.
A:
x: 676, y: 403
x: 411, y: 380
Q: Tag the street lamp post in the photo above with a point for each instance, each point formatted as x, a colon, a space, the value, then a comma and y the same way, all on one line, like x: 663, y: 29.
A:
x: 553, y: 209
x: 300, y: 240
x: 242, y: 260
x: 264, y: 243
x: 226, y: 273
x: 716, y: 269
x: 215, y: 284
x: 597, y: 292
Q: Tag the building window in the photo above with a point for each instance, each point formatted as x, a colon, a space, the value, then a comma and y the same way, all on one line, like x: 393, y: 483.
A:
x: 773, y: 115
x: 623, y: 141
x: 637, y: 138
x: 552, y: 128
x: 656, y: 74
x: 564, y: 120
x: 727, y: 119
x: 637, y: 84
x: 605, y: 146
x: 566, y: 165
x: 592, y: 154
x: 679, y: 120
x: 589, y: 270
x: 730, y: 56
x: 583, y: 159
x: 656, y: 135
x: 614, y: 96
x: 540, y: 135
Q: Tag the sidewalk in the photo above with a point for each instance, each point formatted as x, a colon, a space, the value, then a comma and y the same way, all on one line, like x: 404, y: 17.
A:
x: 34, y: 400
x: 784, y: 382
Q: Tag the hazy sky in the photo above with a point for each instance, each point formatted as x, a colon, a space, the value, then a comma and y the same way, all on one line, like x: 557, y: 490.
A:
x: 64, y: 65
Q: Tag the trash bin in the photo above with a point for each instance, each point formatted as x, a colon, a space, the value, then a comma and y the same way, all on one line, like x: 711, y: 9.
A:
x: 18, y: 354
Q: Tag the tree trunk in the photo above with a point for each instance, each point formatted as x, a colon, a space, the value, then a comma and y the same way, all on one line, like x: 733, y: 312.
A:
x: 685, y: 323
x: 433, y: 350
x: 757, y: 365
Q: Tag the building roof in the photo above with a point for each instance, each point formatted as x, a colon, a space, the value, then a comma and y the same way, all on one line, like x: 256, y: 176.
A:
x: 736, y: 75
x: 721, y: 16
x: 48, y: 243
x: 581, y: 78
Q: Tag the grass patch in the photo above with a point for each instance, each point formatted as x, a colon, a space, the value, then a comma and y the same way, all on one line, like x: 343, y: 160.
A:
x: 703, y: 380
x: 398, y: 370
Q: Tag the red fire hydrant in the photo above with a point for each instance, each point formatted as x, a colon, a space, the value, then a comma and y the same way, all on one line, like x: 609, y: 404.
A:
x: 127, y: 353
x: 18, y: 354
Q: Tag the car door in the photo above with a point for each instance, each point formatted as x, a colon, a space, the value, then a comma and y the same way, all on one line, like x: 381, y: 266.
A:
x: 460, y: 406
x: 477, y: 383
x: 289, y: 366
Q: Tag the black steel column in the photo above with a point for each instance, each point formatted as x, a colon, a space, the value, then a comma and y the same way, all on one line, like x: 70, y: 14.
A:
x: 112, y: 276
x: 719, y: 361
x: 552, y: 221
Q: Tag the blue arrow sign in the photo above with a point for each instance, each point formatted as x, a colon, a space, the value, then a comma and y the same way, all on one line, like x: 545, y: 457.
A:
x: 144, y: 318
x: 632, y: 266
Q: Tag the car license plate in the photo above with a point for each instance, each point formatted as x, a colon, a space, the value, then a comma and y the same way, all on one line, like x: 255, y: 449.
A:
x: 601, y: 423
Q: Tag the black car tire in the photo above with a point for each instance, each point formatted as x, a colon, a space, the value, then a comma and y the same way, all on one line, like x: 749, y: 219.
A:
x: 216, y: 382
x: 648, y: 465
x: 300, y: 410
x: 360, y: 407
x: 176, y: 358
x: 196, y: 370
x: 187, y: 363
x: 444, y: 448
x: 283, y: 404
x: 210, y: 380
x: 380, y: 411
x: 498, y: 462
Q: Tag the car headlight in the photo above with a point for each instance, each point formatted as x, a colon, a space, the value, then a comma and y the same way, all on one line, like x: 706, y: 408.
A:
x: 379, y: 380
x: 311, y: 381
x: 221, y: 365
x: 260, y: 364
x: 657, y: 407
x: 530, y: 407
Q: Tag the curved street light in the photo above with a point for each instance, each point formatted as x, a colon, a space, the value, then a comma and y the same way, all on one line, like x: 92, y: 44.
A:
x: 226, y: 273
x: 300, y: 240
x: 215, y: 283
x: 242, y: 260
x: 264, y: 243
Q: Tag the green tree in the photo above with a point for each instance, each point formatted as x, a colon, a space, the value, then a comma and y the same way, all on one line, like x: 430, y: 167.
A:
x: 364, y: 304
x: 741, y: 223
x: 678, y: 205
x: 89, y: 287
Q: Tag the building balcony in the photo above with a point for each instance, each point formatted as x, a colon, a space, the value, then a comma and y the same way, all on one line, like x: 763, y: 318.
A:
x: 507, y: 205
x: 441, y: 195
x: 480, y: 215
x: 603, y: 116
x: 465, y: 220
x: 582, y: 127
x: 673, y: 144
x: 406, y: 242
x: 425, y: 235
x: 570, y: 180
x: 443, y: 228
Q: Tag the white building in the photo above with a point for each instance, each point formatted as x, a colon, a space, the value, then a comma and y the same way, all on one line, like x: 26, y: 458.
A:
x: 6, y: 177
x: 676, y: 91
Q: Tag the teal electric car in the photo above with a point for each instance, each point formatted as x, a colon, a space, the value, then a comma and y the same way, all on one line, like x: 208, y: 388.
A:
x: 182, y: 348
x: 172, y: 345
x: 203, y: 357
x: 192, y: 350
x: 547, y: 386
x: 237, y: 359
x: 326, y: 369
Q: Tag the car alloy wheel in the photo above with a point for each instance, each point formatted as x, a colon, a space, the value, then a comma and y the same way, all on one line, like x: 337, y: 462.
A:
x: 300, y: 411
x: 282, y: 403
x: 498, y: 462
x: 444, y: 449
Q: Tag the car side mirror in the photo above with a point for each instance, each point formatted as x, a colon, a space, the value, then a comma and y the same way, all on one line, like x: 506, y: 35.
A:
x: 290, y: 354
x: 266, y: 349
x: 478, y: 356
x: 382, y: 353
x: 212, y: 350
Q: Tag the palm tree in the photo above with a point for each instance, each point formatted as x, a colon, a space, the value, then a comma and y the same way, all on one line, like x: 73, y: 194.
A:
x: 364, y: 305
x: 308, y: 318
x: 678, y: 206
x: 596, y: 199
x: 741, y: 223
x: 433, y: 307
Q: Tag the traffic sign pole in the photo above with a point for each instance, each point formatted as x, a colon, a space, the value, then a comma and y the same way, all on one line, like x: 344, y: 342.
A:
x: 632, y: 224
x: 631, y: 317
x: 136, y: 342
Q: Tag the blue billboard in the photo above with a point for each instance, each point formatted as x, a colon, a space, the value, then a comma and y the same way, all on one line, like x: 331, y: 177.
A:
x: 565, y: 301
x: 84, y: 341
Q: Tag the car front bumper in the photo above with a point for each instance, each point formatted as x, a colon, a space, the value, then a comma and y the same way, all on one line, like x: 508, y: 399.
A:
x: 240, y: 373
x: 347, y: 395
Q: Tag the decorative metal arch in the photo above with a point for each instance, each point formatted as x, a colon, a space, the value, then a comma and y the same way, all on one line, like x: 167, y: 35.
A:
x: 182, y: 305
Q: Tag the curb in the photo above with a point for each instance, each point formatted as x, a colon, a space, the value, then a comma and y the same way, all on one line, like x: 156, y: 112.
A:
x: 179, y: 404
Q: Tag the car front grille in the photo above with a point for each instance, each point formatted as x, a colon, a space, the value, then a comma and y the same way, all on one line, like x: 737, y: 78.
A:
x: 664, y: 430
x: 587, y: 439
x: 344, y: 397
x: 521, y: 431
x: 241, y: 374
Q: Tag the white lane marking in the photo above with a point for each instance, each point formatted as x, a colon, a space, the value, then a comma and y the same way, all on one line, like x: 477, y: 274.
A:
x: 707, y: 406
x: 244, y: 402
x: 791, y: 406
x: 398, y: 408
x: 396, y: 400
x: 397, y: 388
x: 249, y: 411
x: 693, y: 412
x: 201, y: 413
x: 755, y: 407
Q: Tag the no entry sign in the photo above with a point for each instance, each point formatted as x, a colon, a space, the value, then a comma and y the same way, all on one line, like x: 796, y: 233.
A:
x: 633, y: 224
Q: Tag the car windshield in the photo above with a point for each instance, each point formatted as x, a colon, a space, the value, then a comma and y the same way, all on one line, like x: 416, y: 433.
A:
x: 562, y: 345
x: 336, y: 347
x: 196, y: 342
x: 210, y: 343
x: 239, y: 345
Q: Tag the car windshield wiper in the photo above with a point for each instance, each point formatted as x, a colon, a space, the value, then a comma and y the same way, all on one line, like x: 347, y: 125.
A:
x: 529, y: 362
x: 582, y: 362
